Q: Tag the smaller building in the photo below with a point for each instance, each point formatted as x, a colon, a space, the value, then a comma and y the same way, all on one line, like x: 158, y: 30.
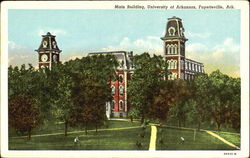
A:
x: 119, y: 105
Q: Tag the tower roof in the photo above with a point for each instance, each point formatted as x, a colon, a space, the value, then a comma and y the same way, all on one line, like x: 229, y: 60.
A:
x: 174, y: 29
x: 48, y: 43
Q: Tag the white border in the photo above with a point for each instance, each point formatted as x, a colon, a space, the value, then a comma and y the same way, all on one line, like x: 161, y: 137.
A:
x: 244, y: 71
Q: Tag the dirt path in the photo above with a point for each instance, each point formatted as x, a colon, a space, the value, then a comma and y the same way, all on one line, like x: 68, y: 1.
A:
x: 222, y: 139
x: 152, y: 145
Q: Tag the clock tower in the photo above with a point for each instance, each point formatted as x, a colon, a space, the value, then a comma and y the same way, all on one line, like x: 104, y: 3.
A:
x: 174, y: 48
x: 48, y: 51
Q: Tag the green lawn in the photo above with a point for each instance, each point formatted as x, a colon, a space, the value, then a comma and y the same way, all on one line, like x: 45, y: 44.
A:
x: 103, y: 139
x: 232, y: 138
x: 203, y: 141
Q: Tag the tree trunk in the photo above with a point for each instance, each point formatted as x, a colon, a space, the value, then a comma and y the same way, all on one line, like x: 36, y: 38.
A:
x: 66, y: 128
x: 218, y: 126
x: 96, y: 127
x: 131, y: 118
x: 199, y: 125
x: 29, y: 134
x: 86, y: 132
x: 179, y: 123
x: 142, y: 119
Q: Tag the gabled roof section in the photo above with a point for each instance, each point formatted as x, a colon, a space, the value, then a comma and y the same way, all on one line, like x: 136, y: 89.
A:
x: 48, y: 43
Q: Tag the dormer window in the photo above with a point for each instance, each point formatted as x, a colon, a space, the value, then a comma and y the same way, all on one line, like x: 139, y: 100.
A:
x: 171, y: 31
x: 45, y: 44
x: 54, y: 44
x: 182, y: 31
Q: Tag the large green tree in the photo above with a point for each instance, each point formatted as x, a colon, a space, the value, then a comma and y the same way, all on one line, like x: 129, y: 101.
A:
x: 149, y: 72
x: 91, y: 89
x: 199, y: 101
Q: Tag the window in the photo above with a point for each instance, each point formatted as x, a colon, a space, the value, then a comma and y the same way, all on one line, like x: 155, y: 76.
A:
x: 112, y: 105
x: 174, y: 64
x: 172, y: 49
x: 120, y: 78
x: 121, y: 63
x: 168, y: 62
x: 121, y: 105
x: 171, y: 31
x: 113, y: 90
x: 121, y: 90
x: 175, y: 49
x: 168, y: 49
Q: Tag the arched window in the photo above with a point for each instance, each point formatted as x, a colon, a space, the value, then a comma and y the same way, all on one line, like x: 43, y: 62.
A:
x: 175, y: 64
x: 168, y: 62
x: 172, y: 49
x: 168, y: 49
x: 121, y: 105
x: 175, y: 49
x: 170, y: 77
x: 113, y: 90
x: 112, y: 105
x: 121, y: 90
x: 120, y: 78
x: 171, y: 31
x: 171, y: 64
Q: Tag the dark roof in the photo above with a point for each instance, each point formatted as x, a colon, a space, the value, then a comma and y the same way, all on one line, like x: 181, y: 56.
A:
x: 48, y: 43
x: 111, y: 52
x: 174, y: 26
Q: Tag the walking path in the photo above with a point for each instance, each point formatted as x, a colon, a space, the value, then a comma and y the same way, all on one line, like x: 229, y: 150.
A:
x: 209, y: 132
x: 53, y: 134
x: 152, y: 145
x: 222, y: 139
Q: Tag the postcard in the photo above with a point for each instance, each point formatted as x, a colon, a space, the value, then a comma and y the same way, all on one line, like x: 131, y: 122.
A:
x: 125, y: 79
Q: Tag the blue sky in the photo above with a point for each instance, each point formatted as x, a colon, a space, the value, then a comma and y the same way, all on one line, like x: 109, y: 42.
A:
x: 213, y: 36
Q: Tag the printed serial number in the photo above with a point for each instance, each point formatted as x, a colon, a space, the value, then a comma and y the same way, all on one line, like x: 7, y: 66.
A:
x: 229, y: 153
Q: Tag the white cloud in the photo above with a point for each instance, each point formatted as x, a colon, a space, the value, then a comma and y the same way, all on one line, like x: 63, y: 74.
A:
x: 196, y: 47
x: 197, y: 35
x: 151, y: 44
x: 12, y: 45
x: 224, y: 56
x: 75, y: 57
x: 52, y: 31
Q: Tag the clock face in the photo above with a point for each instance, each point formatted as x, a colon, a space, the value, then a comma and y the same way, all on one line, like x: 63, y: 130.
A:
x: 55, y: 58
x: 44, y: 57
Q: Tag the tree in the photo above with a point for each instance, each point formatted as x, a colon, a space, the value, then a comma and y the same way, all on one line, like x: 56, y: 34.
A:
x: 234, y: 96
x: 221, y: 100
x: 24, y: 114
x: 171, y: 94
x: 149, y: 72
x: 91, y: 90
x: 63, y: 101
x: 201, y: 96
